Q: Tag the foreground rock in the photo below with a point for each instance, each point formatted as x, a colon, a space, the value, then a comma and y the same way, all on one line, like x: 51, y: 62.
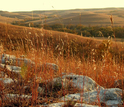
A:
x: 89, y: 91
x: 16, y: 100
x: 16, y: 96
x: 12, y: 71
x: 15, y: 64
x: 12, y: 60
x: 84, y: 83
x: 109, y: 97
x: 6, y: 81
x: 61, y: 104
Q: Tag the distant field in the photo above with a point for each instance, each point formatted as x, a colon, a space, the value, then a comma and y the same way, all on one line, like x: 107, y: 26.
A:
x: 92, y: 17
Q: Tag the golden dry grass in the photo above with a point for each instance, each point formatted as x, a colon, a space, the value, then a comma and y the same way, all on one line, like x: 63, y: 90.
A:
x: 86, y: 57
x: 14, y: 39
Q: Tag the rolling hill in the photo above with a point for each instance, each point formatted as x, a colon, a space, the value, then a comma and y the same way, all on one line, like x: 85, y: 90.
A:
x: 93, y: 17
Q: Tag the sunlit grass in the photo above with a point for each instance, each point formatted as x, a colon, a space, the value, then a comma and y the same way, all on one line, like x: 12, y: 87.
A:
x: 73, y: 54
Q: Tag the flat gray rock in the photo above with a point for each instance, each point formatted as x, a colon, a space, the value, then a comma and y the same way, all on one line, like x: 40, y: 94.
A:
x: 107, y: 96
x: 14, y: 68
x: 60, y: 104
x: 6, y: 58
x: 113, y: 103
x: 6, y: 80
x: 84, y: 105
x: 16, y: 97
x: 12, y: 71
x: 84, y: 83
x: 13, y: 60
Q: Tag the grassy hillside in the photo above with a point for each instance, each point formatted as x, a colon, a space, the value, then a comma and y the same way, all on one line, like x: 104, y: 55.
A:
x: 102, y: 60
x: 86, y: 17
x: 17, y: 37
x: 61, y: 48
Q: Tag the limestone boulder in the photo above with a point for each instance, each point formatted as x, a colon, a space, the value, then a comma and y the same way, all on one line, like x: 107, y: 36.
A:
x: 16, y: 100
x: 6, y: 81
x: 8, y: 59
x: 84, y: 83
x: 109, y: 97
x: 61, y: 104
x: 16, y: 96
x: 13, y: 60
x: 11, y: 71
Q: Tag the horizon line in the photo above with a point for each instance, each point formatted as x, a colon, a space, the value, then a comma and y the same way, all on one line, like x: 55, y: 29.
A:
x: 62, y: 9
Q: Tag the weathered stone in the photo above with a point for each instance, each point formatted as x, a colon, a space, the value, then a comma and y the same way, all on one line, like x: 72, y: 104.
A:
x: 73, y: 97
x: 84, y: 105
x: 100, y: 96
x: 17, y: 99
x: 8, y: 59
x: 6, y: 81
x: 14, y: 68
x: 113, y: 103
x: 11, y: 71
x: 16, y: 96
x: 84, y: 83
x: 90, y: 91
x: 61, y: 104
x: 12, y: 60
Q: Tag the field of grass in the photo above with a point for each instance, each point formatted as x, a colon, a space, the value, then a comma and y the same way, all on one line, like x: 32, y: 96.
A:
x: 102, y: 60
x: 15, y: 39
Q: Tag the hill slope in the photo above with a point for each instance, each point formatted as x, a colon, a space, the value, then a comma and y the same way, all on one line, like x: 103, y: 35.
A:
x: 24, y: 39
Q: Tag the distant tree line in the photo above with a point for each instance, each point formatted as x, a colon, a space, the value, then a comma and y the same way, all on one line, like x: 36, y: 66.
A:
x: 87, y: 31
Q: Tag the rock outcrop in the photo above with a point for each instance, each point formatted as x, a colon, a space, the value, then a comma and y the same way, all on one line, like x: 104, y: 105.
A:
x: 107, y: 96
x: 84, y: 83
x: 90, y: 94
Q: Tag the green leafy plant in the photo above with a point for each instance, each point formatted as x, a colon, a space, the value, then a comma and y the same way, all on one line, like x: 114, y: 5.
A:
x: 24, y: 71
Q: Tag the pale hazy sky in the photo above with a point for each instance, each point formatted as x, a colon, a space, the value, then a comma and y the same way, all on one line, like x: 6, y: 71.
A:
x: 29, y: 5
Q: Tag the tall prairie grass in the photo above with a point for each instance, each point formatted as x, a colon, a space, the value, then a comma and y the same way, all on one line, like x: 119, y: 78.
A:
x: 100, y: 60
